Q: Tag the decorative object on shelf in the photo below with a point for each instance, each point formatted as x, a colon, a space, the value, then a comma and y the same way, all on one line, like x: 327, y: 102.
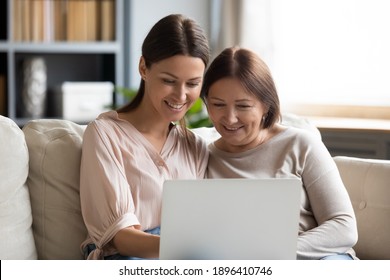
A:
x: 34, y: 87
x: 82, y: 102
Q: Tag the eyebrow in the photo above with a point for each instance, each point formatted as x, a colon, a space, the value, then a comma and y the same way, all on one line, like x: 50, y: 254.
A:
x: 245, y: 100
x: 174, y: 76
x: 239, y: 100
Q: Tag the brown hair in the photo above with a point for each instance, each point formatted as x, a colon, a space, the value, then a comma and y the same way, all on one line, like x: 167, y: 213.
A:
x: 172, y: 35
x: 253, y: 74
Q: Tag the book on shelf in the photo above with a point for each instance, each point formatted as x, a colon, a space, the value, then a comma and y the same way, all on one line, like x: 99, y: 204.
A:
x: 63, y: 20
x: 92, y: 20
x: 37, y: 18
x: 17, y: 20
x: 48, y: 20
x: 107, y: 20
x: 25, y: 24
x: 59, y: 20
x: 76, y: 21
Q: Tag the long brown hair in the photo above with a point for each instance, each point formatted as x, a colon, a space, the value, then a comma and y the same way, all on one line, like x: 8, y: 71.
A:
x: 172, y: 35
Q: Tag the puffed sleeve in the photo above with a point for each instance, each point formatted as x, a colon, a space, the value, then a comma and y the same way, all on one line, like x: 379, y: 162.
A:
x: 106, y: 201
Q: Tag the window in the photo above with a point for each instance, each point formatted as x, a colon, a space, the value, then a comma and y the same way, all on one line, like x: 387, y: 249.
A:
x: 329, y: 57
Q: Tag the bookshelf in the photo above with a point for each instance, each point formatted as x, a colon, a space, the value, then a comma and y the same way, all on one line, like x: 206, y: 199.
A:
x: 79, y: 41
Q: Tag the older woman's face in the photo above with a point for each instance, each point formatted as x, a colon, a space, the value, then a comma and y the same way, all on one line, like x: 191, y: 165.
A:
x: 236, y: 114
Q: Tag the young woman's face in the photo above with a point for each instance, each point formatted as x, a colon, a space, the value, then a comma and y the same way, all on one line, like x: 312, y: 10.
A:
x: 236, y: 115
x: 172, y: 85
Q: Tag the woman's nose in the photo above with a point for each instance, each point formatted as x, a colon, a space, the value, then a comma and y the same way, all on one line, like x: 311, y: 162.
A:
x: 181, y: 92
x: 231, y: 115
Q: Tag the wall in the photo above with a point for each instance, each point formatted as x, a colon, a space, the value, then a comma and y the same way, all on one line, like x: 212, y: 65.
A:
x: 143, y: 14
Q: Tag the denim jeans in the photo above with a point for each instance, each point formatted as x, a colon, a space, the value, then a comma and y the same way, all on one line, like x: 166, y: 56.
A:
x: 90, y: 247
x: 338, y: 257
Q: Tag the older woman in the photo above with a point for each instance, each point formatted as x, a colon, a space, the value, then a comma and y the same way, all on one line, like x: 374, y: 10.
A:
x: 243, y: 105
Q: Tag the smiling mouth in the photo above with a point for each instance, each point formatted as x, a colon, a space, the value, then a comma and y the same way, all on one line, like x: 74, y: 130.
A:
x: 232, y: 128
x: 175, y: 106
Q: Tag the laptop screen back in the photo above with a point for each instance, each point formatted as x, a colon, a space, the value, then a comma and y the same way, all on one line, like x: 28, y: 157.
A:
x: 230, y: 219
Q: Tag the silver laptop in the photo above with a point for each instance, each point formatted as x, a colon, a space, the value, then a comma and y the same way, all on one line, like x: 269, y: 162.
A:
x: 230, y: 219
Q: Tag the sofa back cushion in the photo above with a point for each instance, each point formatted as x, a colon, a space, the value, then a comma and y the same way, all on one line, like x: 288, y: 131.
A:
x: 55, y: 150
x: 368, y: 185
x: 16, y: 236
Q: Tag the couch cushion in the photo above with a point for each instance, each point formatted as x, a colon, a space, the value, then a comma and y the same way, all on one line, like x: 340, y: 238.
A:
x: 16, y: 237
x: 55, y: 150
x: 294, y: 120
x: 367, y: 182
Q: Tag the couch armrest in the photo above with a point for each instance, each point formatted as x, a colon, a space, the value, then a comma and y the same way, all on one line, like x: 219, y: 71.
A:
x: 16, y: 235
x: 368, y: 185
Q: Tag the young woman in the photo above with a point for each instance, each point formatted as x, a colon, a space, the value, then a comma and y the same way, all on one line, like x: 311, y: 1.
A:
x: 243, y: 105
x: 127, y: 154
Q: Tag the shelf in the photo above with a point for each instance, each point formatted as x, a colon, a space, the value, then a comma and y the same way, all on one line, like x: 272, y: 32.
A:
x: 68, y: 57
x: 351, y: 124
x: 355, y: 137
x: 68, y: 47
x: 4, y: 47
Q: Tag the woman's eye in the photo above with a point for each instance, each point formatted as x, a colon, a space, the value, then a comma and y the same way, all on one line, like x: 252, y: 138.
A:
x: 243, y: 106
x: 218, y: 104
x: 192, y: 85
x: 167, y: 81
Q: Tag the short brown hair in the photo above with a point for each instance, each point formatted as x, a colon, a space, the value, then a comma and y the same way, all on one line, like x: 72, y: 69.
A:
x: 253, y: 74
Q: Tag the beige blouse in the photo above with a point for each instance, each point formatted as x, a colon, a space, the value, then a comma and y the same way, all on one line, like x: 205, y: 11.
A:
x: 122, y: 175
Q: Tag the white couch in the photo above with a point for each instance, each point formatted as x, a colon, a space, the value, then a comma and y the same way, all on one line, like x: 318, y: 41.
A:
x: 40, y: 215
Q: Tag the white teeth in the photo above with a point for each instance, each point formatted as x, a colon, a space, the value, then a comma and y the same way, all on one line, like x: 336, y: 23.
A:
x: 231, y: 128
x: 175, y: 106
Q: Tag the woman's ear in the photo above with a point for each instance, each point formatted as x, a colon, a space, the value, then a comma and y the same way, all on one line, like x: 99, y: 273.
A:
x: 142, y: 67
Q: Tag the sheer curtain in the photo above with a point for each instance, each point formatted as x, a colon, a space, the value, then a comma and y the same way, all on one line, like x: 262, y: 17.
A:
x: 226, y: 22
x: 241, y: 22
x: 322, y: 54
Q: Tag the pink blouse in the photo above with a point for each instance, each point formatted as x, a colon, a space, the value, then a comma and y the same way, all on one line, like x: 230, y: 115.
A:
x: 122, y: 175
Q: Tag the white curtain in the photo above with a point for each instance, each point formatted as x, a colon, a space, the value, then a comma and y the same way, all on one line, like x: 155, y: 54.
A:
x: 226, y: 21
x: 245, y: 23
